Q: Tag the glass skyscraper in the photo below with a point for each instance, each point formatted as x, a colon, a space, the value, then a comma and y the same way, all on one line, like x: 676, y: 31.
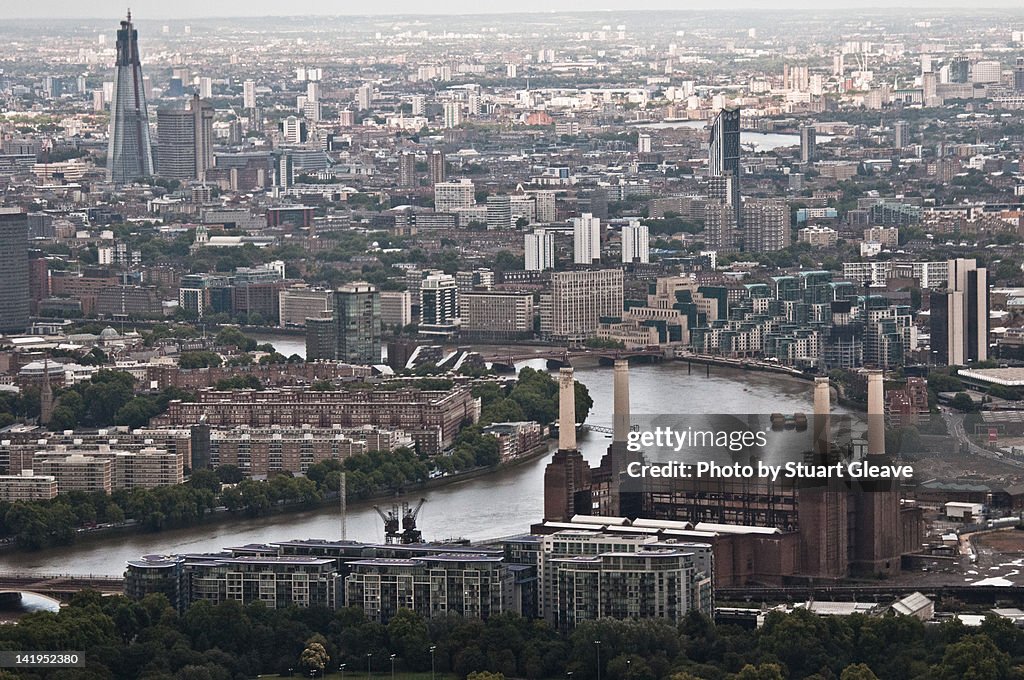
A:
x: 129, y: 153
x: 724, y: 155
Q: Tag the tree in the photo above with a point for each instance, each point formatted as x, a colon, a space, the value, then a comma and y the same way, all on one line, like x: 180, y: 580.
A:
x: 314, y: 657
x: 858, y: 671
x: 974, y: 658
x: 764, y: 671
x: 230, y: 474
x: 962, y: 402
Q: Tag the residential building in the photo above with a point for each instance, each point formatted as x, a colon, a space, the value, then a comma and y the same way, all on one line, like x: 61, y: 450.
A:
x: 450, y: 196
x: 439, y: 305
x: 499, y: 212
x: 577, y: 302
x: 635, y: 241
x: 540, y: 250
x: 724, y: 154
x: 818, y: 236
x: 27, y: 486
x: 765, y: 225
x: 586, y: 240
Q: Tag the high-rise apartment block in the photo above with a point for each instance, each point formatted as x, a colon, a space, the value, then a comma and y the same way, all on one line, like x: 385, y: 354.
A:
x: 586, y: 232
x: 765, y: 225
x: 540, y: 250
x: 636, y: 243
x: 449, y: 196
x: 724, y: 154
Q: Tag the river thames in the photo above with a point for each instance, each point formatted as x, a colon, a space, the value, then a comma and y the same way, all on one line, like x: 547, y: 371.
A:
x: 504, y: 503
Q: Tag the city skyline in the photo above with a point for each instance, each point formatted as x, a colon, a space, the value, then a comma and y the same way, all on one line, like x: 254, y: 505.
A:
x: 195, y: 9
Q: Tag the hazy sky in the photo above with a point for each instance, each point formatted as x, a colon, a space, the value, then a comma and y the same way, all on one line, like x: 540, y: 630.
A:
x: 183, y: 9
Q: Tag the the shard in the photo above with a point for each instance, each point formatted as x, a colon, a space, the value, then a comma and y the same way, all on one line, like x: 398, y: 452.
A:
x: 129, y: 153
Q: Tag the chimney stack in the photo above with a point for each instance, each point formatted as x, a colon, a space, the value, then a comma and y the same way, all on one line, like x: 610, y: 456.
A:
x: 876, y: 414
x: 566, y: 410
x: 620, y: 402
x: 822, y: 409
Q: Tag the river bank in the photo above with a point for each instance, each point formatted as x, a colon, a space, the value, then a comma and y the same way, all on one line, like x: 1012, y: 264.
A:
x: 221, y: 515
x: 505, y: 502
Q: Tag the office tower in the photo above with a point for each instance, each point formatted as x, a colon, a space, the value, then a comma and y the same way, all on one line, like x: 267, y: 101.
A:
x: 724, y: 154
x: 364, y: 97
x: 643, y: 143
x: 357, y: 332
x: 14, y: 278
x: 511, y: 71
x: 436, y: 163
x: 499, y: 212
x: 987, y: 71
x: 1018, y: 75
x: 99, y: 101
x: 636, y: 242
x: 586, y: 239
x: 452, y: 114
x: 808, y: 144
x: 312, y: 92
x: 960, y: 70
x: 902, y: 134
x: 129, y: 152
x: 293, y: 130
x: 765, y: 225
x: 185, y: 141
x: 959, y: 315
x: 205, y: 87
x: 439, y: 304
x: 249, y: 94
x: 449, y: 196
x: 407, y: 170
x: 929, y: 89
x: 720, y: 233
x: 540, y: 250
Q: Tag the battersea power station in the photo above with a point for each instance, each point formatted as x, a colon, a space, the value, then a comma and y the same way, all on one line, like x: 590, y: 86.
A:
x: 763, y: 530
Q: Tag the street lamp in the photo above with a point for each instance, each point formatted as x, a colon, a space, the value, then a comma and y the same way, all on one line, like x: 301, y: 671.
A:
x: 341, y: 669
x: 368, y: 656
x: 432, y: 648
x: 393, y: 666
x: 628, y: 662
x: 597, y: 643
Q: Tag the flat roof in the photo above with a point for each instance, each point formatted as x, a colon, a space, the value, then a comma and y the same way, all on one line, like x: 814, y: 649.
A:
x: 1008, y: 377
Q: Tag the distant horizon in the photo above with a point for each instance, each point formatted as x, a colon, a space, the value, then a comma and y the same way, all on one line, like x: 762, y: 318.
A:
x: 150, y: 10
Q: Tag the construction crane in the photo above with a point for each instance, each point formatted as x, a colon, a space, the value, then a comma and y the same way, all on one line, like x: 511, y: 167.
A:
x: 410, y: 534
x: 391, y: 523
x: 400, y: 523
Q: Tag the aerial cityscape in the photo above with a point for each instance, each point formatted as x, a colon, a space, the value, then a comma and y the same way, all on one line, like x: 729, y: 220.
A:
x: 572, y: 345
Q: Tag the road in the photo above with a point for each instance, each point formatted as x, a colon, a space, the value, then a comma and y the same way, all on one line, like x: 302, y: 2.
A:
x: 955, y: 427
